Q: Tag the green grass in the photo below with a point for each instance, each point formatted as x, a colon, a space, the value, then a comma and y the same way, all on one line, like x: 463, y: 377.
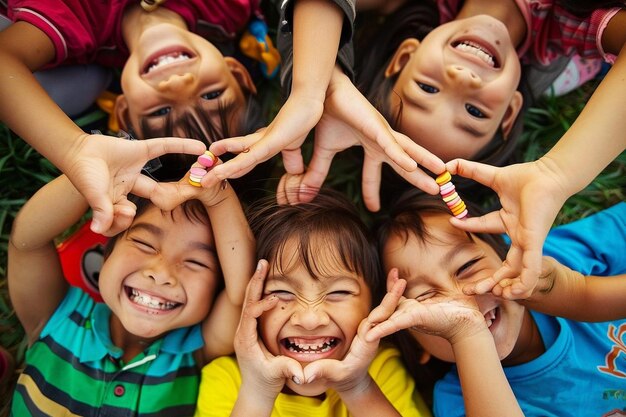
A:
x: 23, y: 171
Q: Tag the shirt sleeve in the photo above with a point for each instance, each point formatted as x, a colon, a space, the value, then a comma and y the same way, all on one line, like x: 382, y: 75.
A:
x: 219, y: 386
x: 396, y: 384
x: 284, y: 41
x: 594, y: 245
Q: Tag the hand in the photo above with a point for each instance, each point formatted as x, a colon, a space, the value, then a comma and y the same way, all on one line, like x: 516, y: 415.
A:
x: 449, y: 317
x: 531, y: 196
x: 349, y: 376
x: 285, y: 134
x: 262, y: 373
x: 106, y: 169
x: 350, y: 120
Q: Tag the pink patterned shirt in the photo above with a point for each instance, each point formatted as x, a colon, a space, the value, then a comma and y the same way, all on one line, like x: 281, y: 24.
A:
x: 551, y: 30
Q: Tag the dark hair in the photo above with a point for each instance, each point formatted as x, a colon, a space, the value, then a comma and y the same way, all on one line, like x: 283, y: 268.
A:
x: 193, y: 211
x: 405, y: 220
x: 330, y: 223
x: 197, y: 124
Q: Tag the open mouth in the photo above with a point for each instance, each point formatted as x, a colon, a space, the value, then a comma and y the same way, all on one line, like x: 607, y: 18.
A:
x: 491, y: 316
x: 150, y: 301
x: 309, y: 346
x: 166, y: 59
x: 478, y: 50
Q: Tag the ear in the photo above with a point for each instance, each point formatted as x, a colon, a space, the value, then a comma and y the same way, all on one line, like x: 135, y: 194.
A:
x: 121, y: 112
x: 402, y: 56
x: 510, y: 116
x: 242, y: 75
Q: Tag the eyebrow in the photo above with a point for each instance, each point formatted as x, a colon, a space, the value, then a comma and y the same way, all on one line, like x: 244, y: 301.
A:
x: 298, y: 283
x: 157, y: 231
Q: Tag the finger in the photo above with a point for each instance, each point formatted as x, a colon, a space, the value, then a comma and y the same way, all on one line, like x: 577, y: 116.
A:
x: 394, y: 324
x: 160, y: 146
x: 370, y: 183
x: 235, y: 144
x: 482, y: 173
x: 320, y: 369
x: 479, y: 287
x: 246, y: 161
x: 318, y: 168
x: 292, y: 188
x: 392, y: 277
x: 123, y: 214
x: 394, y: 151
x: 388, y: 305
x: 419, y: 179
x: 102, y: 212
x: 488, y: 223
x: 292, y: 161
x: 420, y: 155
x: 281, y: 190
x: 289, y: 369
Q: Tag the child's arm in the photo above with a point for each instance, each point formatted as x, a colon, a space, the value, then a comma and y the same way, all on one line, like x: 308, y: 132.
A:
x: 563, y: 292
x: 235, y: 245
x: 103, y: 168
x: 349, y: 119
x: 35, y: 277
x: 529, y: 207
x: 317, y: 28
x: 486, y: 391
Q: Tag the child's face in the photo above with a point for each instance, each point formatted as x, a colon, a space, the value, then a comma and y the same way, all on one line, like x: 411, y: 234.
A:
x: 172, y: 71
x: 316, y: 317
x: 440, y: 267
x: 162, y: 273
x: 463, y: 76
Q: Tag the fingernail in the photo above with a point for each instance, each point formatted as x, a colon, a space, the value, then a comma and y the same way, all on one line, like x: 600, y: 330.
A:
x: 259, y: 265
x: 311, y: 379
x: 296, y: 380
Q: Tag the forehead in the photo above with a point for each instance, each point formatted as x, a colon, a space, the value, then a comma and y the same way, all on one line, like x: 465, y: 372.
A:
x: 180, y: 218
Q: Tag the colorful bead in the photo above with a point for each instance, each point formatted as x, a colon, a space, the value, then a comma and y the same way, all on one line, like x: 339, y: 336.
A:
x: 450, y: 196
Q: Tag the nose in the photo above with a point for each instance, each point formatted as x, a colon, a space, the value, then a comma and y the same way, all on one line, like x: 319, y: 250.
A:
x: 310, y: 317
x: 178, y: 84
x: 463, y: 76
x: 161, y: 272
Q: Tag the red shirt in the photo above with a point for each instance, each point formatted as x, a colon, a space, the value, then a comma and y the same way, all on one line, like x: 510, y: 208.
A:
x: 85, y: 31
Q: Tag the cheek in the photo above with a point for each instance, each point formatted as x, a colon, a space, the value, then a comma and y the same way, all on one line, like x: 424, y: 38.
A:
x: 436, y: 346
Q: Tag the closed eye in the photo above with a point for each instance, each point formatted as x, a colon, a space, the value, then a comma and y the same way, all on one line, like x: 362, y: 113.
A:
x: 195, y: 264
x: 466, y: 266
x: 426, y: 295
x: 143, y: 245
x: 338, y: 295
x: 283, y: 295
x: 428, y: 88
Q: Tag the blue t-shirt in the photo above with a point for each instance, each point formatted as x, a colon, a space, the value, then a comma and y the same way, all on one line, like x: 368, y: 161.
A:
x: 583, y: 370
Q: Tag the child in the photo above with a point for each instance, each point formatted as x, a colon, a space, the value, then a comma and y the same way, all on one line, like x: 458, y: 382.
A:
x: 470, y: 78
x: 311, y: 300
x: 554, y: 366
x: 164, y: 314
x: 175, y: 82
x: 320, y: 93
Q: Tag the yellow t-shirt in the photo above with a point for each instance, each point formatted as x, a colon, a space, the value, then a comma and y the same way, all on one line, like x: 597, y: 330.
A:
x: 221, y: 380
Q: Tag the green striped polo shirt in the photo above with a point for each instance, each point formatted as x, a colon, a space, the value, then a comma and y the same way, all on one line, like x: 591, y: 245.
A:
x: 74, y: 369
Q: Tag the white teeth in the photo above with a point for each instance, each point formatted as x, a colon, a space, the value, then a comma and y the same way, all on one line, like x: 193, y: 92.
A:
x: 147, y: 301
x: 477, y: 50
x: 319, y: 346
x: 167, y: 59
x: 490, y: 316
